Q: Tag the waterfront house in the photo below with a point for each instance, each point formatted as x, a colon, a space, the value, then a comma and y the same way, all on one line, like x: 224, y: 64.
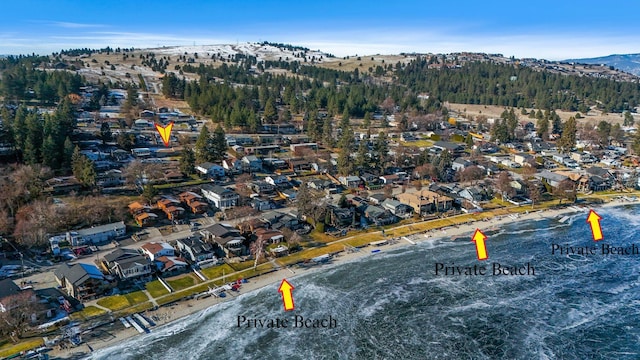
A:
x: 196, y: 250
x: 82, y: 281
x: 425, y: 201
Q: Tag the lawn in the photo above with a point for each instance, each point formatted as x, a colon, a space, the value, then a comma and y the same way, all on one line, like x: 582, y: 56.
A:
x: 217, y: 271
x: 9, y: 348
x: 182, y: 282
x: 119, y: 302
x: 87, y: 313
x: 311, y: 253
x: 156, y: 289
x: 242, y: 266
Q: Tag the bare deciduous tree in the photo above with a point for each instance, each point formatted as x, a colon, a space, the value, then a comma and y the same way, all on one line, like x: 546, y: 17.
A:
x: 16, y: 319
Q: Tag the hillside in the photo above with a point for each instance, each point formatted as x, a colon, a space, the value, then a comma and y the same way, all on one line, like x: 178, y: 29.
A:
x: 625, y: 62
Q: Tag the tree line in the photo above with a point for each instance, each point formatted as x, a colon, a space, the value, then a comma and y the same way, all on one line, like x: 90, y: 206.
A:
x: 490, y: 83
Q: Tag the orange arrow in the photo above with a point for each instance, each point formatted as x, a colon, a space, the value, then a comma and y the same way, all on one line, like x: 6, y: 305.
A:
x: 481, y: 249
x: 594, y: 220
x: 287, y: 295
x: 165, y: 132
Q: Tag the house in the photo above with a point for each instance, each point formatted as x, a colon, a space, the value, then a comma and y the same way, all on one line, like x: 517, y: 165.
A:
x: 110, y: 178
x: 460, y: 164
x: 277, y: 180
x: 233, y: 166
x: 196, y: 250
x: 171, y: 264
x: 350, y: 181
x: 261, y: 203
x: 299, y: 165
x: 473, y: 194
x: 341, y: 217
x: 157, y: 249
x: 523, y: 159
x: 599, y: 179
x: 166, y: 202
x: 397, y: 208
x: 208, y: 169
x: 269, y: 236
x: 263, y: 187
x: 82, y: 281
x: 583, y: 157
x: 227, y: 237
x: 279, y: 220
x: 274, y: 163
x: 223, y: 198
x: 378, y: 215
x: 145, y: 219
x: 174, y: 212
x: 194, y: 202
x: 136, y: 208
x: 289, y: 194
x: 62, y: 185
x: 128, y: 264
x: 553, y: 179
x: 453, y: 148
x: 251, y: 163
x: 425, y: 201
x: 390, y: 179
x: 376, y: 199
x: 97, y: 235
x: 8, y: 289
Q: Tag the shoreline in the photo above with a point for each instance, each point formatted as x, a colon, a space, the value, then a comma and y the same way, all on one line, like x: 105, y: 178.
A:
x: 114, y: 333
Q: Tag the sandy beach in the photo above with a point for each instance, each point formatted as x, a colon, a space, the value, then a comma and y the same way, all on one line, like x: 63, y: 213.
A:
x: 114, y: 333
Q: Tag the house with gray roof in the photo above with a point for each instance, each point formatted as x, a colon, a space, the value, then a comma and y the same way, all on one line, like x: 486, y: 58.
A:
x: 82, y: 281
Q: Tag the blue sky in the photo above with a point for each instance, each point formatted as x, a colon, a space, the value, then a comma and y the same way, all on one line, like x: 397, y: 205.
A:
x: 544, y: 29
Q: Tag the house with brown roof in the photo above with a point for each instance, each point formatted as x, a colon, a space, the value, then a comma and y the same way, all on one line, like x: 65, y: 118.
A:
x: 145, y: 219
x: 155, y: 250
x: 136, y: 208
x: 269, y: 236
x: 425, y: 201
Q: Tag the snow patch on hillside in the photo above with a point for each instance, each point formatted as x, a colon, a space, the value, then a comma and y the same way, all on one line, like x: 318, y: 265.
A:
x: 260, y: 51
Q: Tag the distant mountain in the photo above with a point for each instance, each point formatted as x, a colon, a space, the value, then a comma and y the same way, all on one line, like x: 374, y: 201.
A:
x: 626, y: 62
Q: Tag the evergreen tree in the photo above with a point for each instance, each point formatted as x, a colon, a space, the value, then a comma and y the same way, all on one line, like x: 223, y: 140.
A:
x: 344, y: 122
x: 219, y: 140
x: 187, y: 161
x: 568, y: 138
x: 33, y: 142
x: 367, y: 120
x: 149, y: 192
x: 327, y: 133
x: 362, y: 156
x: 380, y: 152
x: 344, y: 163
x: 205, y: 149
x: 270, y: 114
x: 49, y: 153
x: 67, y: 150
x: 469, y: 140
x: 628, y: 119
x: 542, y: 127
x: 105, y: 132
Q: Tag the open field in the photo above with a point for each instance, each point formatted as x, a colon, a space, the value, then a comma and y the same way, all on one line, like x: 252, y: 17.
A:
x: 494, y: 111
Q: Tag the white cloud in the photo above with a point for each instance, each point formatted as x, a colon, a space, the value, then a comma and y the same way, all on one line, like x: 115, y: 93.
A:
x: 74, y: 25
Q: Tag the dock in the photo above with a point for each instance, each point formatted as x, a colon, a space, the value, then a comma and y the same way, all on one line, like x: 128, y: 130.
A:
x: 135, y: 325
x: 408, y: 240
x: 125, y: 323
